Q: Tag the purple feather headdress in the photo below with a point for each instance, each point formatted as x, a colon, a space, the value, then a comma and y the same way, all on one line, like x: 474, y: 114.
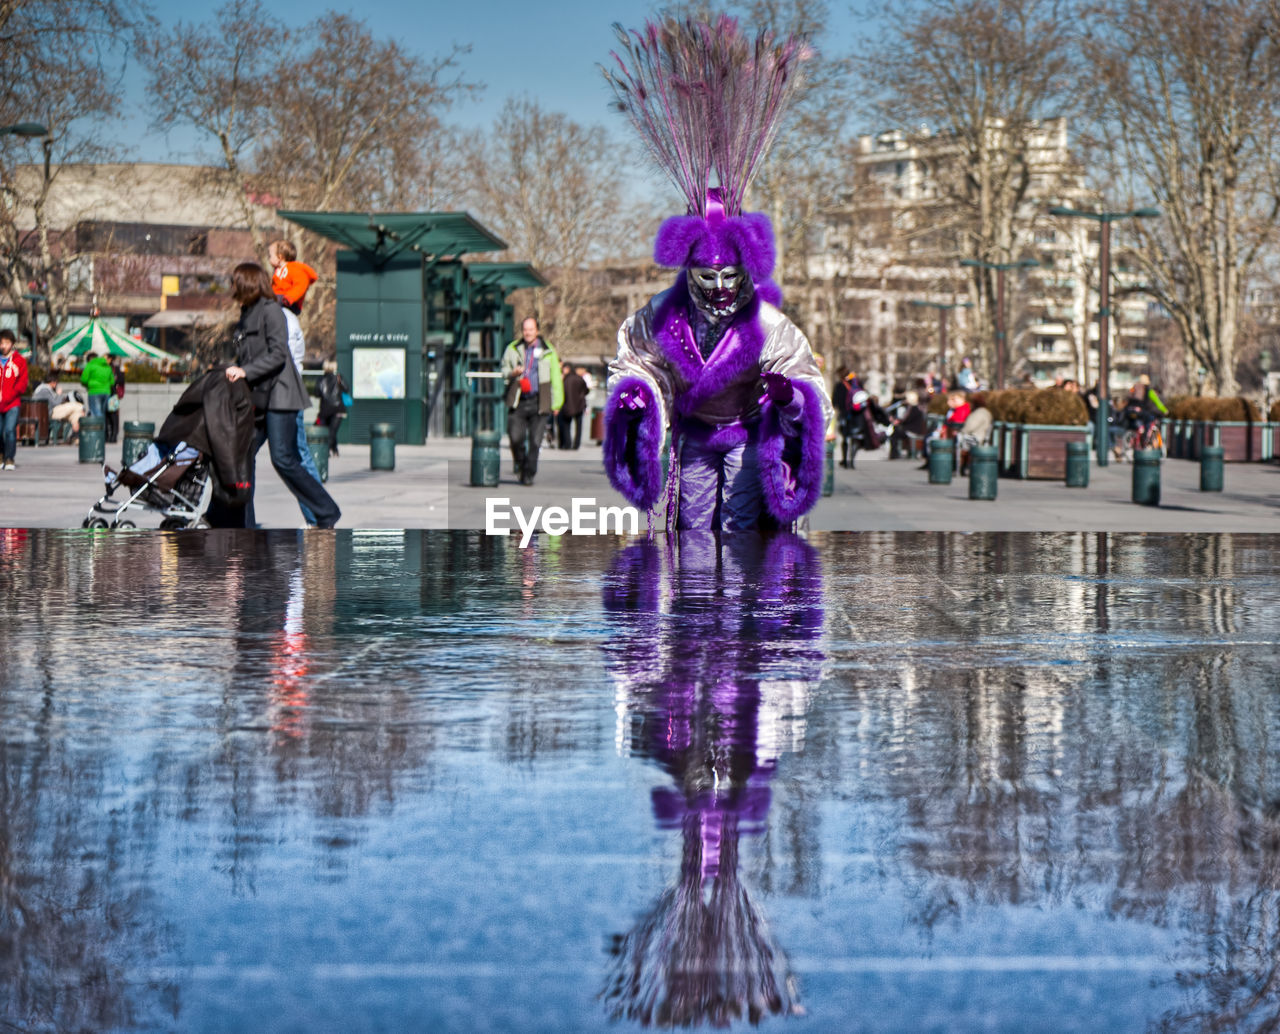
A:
x: 707, y: 100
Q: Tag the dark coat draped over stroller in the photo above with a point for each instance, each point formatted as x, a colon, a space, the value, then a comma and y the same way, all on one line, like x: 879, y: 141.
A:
x: 215, y: 416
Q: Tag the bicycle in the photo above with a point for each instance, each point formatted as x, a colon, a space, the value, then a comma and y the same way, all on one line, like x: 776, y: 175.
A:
x: 1144, y: 436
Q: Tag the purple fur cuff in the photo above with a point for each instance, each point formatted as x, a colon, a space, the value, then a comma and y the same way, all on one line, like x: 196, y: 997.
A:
x: 640, y: 481
x: 792, y: 480
x: 744, y: 240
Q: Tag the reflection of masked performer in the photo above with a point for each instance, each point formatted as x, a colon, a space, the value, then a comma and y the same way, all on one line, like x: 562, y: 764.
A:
x: 712, y: 359
x: 712, y: 691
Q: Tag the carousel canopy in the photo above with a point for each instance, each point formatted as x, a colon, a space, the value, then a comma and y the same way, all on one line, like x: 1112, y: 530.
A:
x: 96, y: 336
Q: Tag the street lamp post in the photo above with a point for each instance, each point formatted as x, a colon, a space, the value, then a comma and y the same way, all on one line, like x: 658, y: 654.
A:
x: 1105, y: 219
x: 35, y: 300
x: 1000, y: 268
x: 943, y: 308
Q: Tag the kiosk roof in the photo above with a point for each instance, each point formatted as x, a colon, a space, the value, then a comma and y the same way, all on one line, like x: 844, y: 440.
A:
x: 381, y: 235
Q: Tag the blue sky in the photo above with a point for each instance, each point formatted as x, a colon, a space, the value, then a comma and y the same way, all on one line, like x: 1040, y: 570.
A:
x: 548, y: 51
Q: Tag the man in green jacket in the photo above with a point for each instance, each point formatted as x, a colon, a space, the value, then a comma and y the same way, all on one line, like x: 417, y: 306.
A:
x: 99, y: 382
x: 535, y: 390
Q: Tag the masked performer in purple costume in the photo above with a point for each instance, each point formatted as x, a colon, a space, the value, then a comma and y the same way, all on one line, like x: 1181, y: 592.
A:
x: 712, y: 359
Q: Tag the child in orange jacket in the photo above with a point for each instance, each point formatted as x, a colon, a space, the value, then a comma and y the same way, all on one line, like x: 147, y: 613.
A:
x: 290, y: 279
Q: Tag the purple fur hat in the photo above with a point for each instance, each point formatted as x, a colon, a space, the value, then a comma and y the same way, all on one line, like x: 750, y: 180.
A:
x: 717, y: 240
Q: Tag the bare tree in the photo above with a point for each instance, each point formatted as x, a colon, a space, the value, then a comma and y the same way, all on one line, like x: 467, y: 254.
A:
x: 806, y: 174
x: 215, y: 79
x: 356, y: 121
x: 353, y: 122
x: 970, y: 83
x: 62, y: 67
x: 548, y: 186
x: 1188, y: 94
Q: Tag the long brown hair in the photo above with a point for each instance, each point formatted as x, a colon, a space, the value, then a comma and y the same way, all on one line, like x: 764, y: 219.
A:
x: 249, y: 282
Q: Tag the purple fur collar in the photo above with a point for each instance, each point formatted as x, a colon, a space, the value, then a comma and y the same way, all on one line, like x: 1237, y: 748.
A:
x: 738, y: 351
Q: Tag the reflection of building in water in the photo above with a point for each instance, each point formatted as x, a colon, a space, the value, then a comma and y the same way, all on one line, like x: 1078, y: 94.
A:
x: 713, y: 662
x: 1081, y: 722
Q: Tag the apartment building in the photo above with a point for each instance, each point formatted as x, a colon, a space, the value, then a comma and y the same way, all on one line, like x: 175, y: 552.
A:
x: 897, y: 241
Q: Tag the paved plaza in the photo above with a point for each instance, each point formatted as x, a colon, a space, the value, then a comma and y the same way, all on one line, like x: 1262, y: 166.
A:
x: 429, y: 489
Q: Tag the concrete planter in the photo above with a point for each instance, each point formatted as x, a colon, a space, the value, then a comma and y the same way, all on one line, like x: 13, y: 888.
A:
x: 1241, y: 441
x: 1039, y: 451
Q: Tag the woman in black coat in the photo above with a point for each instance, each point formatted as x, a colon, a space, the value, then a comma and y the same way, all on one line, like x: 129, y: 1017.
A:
x: 263, y: 360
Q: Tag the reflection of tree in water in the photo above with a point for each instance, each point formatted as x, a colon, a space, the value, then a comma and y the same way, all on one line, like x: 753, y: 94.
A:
x: 711, y: 670
x: 1149, y: 791
x: 76, y: 929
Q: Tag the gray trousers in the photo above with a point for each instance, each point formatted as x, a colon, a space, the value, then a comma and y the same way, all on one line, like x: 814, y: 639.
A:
x: 719, y: 489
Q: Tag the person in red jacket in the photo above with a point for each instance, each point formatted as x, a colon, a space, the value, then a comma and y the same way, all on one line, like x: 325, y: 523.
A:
x: 13, y: 385
x: 958, y: 410
x: 290, y: 279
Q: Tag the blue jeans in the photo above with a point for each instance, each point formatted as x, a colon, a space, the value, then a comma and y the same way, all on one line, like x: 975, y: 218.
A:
x: 98, y: 405
x: 9, y: 432
x: 280, y: 431
x: 308, y: 464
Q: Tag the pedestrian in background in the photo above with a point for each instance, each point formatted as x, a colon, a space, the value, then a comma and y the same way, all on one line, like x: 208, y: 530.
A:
x: 575, y: 405
x: 112, y: 425
x: 63, y: 407
x: 333, y: 392
x: 13, y: 385
x: 535, y: 390
x: 297, y: 351
x: 99, y: 382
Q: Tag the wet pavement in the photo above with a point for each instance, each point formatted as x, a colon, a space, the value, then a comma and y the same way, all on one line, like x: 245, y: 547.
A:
x: 430, y: 489
x: 426, y: 780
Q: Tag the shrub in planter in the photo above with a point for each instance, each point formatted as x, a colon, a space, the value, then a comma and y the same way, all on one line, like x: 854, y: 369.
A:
x: 1008, y: 405
x: 142, y: 373
x: 1056, y: 407
x: 1209, y: 408
x: 1052, y: 406
x: 1274, y: 415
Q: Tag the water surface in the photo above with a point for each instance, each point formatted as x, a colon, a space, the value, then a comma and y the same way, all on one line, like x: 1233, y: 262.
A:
x: 428, y: 780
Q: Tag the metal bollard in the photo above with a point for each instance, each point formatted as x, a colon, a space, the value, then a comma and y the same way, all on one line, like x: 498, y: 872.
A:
x: 382, y: 447
x: 984, y: 472
x: 318, y: 446
x: 1077, y: 464
x: 486, y: 458
x: 93, y: 440
x: 1211, y: 468
x: 942, y: 460
x: 1146, y: 477
x: 137, y: 438
x: 829, y: 471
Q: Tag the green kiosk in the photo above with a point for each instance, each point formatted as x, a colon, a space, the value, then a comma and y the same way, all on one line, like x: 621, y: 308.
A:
x: 414, y: 322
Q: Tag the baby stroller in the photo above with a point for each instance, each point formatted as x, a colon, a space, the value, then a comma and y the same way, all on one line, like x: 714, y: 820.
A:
x: 171, y: 481
x: 202, y: 452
